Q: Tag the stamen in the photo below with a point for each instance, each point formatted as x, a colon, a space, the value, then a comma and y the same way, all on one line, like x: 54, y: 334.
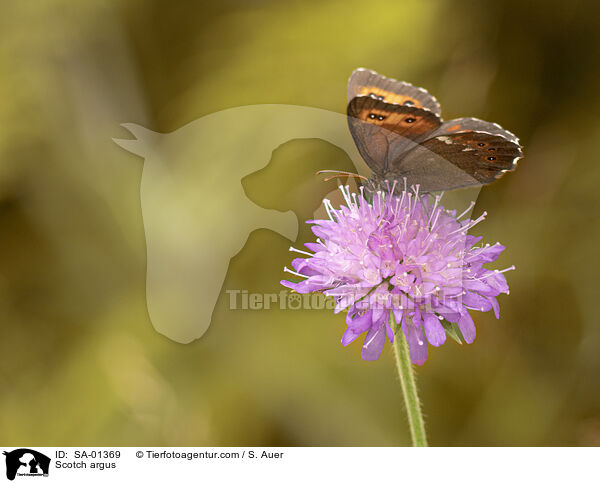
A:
x: 512, y: 267
x: 423, y: 199
x: 286, y: 269
x: 329, y: 208
x: 416, y: 189
x: 437, y: 215
x: 466, y: 211
x: 469, y: 225
x: 478, y: 220
x: 437, y: 200
x: 292, y: 249
x: 346, y: 194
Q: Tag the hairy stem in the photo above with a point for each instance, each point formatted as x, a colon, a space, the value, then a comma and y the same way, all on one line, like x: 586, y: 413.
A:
x: 409, y: 388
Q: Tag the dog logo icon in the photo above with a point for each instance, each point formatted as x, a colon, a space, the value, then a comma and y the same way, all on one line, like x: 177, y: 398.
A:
x: 26, y: 462
x: 196, y: 213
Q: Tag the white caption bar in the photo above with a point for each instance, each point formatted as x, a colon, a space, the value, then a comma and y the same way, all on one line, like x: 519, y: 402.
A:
x: 66, y: 464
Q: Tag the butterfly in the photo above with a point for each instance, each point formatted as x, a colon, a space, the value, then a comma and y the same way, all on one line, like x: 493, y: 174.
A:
x: 399, y: 132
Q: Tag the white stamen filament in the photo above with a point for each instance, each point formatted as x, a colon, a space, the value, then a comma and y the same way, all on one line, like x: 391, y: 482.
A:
x: 437, y: 200
x: 329, y: 208
x: 286, y: 269
x: 346, y: 194
x: 512, y: 267
x: 437, y: 216
x: 466, y: 211
x: 292, y: 249
x: 469, y: 225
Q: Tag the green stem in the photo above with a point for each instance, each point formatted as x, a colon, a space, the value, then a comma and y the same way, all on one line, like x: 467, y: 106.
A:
x: 409, y: 388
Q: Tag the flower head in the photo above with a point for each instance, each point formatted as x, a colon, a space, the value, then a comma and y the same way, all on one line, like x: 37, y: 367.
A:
x: 404, y: 254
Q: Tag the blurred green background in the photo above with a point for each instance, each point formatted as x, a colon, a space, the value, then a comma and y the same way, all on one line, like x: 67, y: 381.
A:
x: 80, y: 361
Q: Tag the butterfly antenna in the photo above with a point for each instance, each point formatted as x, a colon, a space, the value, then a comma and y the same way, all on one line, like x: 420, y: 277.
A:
x: 340, y: 174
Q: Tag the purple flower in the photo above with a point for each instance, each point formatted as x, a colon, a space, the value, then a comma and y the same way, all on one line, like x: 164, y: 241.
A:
x: 404, y: 254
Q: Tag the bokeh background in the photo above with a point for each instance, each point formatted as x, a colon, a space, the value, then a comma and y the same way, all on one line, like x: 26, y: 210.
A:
x: 80, y: 361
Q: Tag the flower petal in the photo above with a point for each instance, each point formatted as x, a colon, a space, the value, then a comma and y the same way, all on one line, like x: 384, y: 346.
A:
x: 349, y: 336
x: 315, y: 247
x: 361, y: 322
x: 373, y: 345
x: 302, y: 265
x: 434, y: 330
x: 476, y: 302
x: 467, y: 327
x: 288, y: 284
x: 489, y: 254
x: 390, y: 332
x: 417, y: 345
x: 497, y: 281
x: 495, y: 306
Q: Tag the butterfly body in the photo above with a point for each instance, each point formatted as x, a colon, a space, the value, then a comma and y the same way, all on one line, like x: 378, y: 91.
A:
x: 399, y: 132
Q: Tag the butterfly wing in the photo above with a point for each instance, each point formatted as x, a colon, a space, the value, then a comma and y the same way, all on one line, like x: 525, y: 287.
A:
x: 398, y: 131
x: 364, y: 82
x: 455, y: 156
x: 464, y: 124
x: 384, y: 132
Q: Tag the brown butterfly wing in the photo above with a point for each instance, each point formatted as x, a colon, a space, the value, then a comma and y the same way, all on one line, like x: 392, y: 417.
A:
x: 398, y: 131
x: 473, y: 124
x: 457, y: 160
x: 364, y: 82
x: 384, y: 132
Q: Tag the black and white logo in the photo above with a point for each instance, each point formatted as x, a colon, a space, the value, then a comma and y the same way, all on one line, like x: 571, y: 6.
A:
x: 26, y: 462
